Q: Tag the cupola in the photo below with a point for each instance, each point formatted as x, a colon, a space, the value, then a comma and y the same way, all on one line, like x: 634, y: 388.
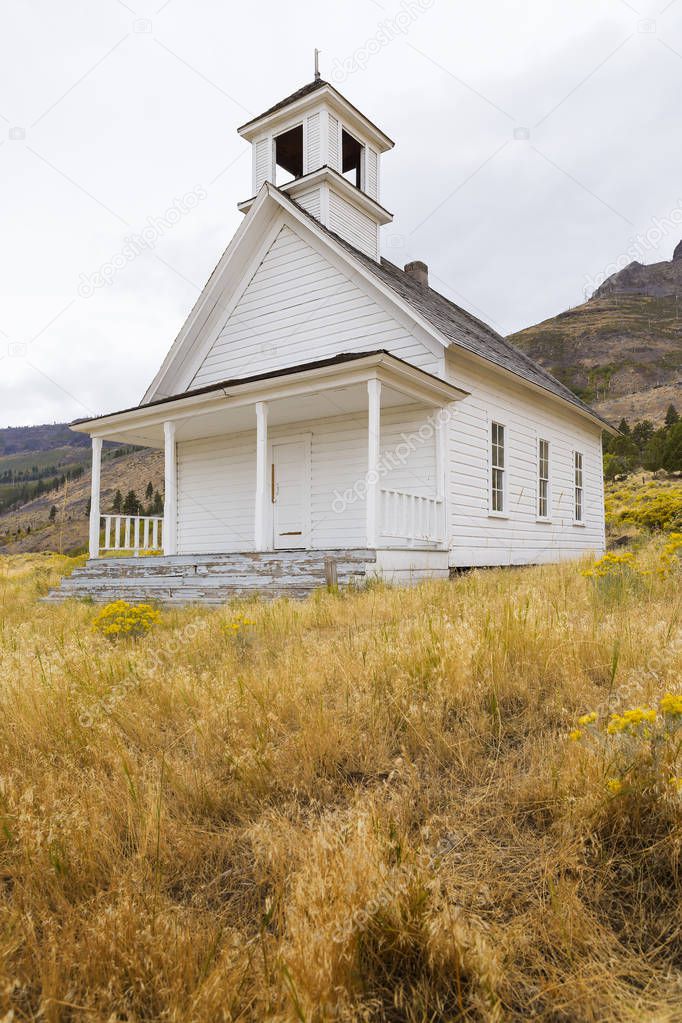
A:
x: 324, y: 153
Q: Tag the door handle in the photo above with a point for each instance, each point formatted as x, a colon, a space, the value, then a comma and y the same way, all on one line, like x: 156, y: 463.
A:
x: 273, y: 494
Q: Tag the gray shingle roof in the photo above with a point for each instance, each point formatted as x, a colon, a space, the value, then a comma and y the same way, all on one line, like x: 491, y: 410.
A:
x: 305, y: 90
x: 460, y: 327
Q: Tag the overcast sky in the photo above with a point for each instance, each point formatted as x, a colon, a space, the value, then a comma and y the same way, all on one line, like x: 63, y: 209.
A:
x: 534, y: 142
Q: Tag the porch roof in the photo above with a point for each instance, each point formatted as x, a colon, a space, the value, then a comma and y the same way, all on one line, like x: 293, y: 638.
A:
x: 320, y: 389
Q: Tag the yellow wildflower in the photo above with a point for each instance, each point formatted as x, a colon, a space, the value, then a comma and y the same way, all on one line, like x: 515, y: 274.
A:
x: 575, y: 735
x: 671, y: 704
x: 588, y: 719
x: 614, y: 786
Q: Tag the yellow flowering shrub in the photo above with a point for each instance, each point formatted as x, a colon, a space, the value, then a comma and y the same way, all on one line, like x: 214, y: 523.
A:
x: 641, y: 747
x: 670, y: 555
x: 610, y: 564
x: 123, y: 619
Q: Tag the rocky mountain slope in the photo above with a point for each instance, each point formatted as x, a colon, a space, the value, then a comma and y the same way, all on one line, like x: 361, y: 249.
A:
x: 621, y: 350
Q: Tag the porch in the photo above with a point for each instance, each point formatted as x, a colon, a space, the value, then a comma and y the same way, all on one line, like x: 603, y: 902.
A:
x: 347, y: 454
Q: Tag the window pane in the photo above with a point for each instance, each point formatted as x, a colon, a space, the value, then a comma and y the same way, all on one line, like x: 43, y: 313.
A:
x: 498, y: 445
x: 497, y: 467
x: 498, y: 490
x: 578, y: 467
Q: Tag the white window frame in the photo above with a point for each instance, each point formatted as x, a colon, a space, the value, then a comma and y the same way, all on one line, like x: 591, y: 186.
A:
x: 547, y: 517
x: 504, y: 468
x: 578, y: 488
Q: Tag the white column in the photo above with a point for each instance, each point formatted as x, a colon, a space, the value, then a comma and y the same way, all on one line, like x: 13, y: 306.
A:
x: 170, y: 494
x: 260, y: 530
x: 94, y: 496
x: 373, y: 449
x: 443, y: 465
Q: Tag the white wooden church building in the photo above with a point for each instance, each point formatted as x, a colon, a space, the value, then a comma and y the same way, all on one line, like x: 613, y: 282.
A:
x: 323, y: 410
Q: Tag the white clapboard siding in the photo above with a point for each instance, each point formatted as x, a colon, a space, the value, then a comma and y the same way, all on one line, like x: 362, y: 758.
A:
x: 352, y: 224
x: 312, y: 143
x: 310, y: 201
x: 476, y: 538
x: 217, y: 479
x: 299, y: 308
x: 262, y: 163
x: 372, y: 172
x: 216, y: 494
x: 333, y: 143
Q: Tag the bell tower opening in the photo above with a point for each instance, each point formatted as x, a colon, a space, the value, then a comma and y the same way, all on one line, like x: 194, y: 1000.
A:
x: 352, y: 158
x: 289, y: 155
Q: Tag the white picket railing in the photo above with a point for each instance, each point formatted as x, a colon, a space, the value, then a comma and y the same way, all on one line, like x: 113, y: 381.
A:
x: 412, y: 517
x: 135, y: 533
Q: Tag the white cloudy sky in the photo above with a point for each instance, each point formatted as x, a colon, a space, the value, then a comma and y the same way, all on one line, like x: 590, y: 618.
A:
x: 111, y: 110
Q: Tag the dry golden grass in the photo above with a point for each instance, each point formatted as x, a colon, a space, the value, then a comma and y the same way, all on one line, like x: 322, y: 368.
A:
x: 361, y: 807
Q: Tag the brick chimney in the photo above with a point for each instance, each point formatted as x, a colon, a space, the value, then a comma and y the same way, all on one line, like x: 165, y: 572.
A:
x: 419, y: 272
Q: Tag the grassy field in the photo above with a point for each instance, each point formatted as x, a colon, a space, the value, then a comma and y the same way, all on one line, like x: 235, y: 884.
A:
x: 359, y: 807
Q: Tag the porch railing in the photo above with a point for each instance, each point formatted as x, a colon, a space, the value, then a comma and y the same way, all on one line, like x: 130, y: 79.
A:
x: 139, y: 534
x: 412, y: 517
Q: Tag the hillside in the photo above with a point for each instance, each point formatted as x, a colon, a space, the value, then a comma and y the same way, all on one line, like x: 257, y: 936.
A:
x: 621, y: 350
x: 28, y: 528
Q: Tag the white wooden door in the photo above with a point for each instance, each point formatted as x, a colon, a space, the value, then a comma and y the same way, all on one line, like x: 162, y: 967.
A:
x: 290, y: 494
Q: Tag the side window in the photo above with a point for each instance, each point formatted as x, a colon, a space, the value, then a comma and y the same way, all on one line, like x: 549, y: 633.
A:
x: 497, y: 468
x: 578, y: 478
x: 543, y: 479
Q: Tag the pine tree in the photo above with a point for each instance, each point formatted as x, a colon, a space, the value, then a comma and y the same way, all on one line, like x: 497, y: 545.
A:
x: 157, y: 505
x: 131, y: 505
x: 672, y: 416
x: 672, y: 455
x: 624, y: 427
x: 53, y: 513
x: 117, y: 502
x: 149, y: 492
x: 642, y: 433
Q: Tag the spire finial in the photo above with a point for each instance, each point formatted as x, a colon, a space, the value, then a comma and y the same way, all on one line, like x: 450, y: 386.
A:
x: 317, y: 65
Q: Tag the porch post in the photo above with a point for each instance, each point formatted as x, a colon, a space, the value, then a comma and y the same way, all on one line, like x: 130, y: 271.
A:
x: 260, y: 531
x: 442, y: 466
x: 170, y: 500
x: 373, y: 449
x: 94, y: 496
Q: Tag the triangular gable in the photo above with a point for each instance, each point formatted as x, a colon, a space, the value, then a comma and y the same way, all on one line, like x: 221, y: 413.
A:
x: 298, y: 307
x: 329, y: 275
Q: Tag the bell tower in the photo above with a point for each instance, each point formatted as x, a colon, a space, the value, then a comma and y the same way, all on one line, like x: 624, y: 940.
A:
x: 324, y: 153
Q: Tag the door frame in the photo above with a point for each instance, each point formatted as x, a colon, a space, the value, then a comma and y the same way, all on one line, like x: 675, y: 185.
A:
x: 306, y: 440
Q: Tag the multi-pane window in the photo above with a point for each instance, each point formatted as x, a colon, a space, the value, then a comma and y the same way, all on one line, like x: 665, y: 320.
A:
x: 497, y: 480
x: 578, y: 480
x: 543, y: 479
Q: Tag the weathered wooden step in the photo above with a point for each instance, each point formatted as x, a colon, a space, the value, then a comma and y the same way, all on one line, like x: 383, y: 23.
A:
x: 211, y: 579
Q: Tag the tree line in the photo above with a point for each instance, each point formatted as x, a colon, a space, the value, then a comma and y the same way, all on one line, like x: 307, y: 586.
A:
x: 642, y: 446
x: 132, y: 505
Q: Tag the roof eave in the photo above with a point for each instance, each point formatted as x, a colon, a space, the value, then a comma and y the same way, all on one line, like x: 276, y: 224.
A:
x: 257, y: 125
x: 255, y: 388
x: 581, y: 409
